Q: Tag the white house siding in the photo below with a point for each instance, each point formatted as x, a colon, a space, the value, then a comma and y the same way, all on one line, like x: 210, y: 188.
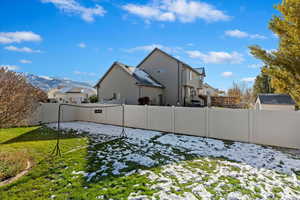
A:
x: 277, y: 107
x: 164, y: 69
x: 122, y: 84
x: 259, y: 106
x: 76, y: 97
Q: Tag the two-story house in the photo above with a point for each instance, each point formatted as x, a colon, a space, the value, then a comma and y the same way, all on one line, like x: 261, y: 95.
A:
x: 164, y: 79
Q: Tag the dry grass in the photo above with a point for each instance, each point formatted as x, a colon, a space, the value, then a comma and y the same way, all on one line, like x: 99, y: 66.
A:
x: 12, y: 163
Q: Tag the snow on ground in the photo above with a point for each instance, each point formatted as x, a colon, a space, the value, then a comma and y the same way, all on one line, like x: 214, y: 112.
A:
x: 190, y: 167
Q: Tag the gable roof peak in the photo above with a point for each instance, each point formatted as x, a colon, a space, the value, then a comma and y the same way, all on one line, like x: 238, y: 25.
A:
x: 156, y: 49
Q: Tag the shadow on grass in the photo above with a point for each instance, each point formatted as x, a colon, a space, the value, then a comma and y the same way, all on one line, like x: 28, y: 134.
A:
x: 40, y: 134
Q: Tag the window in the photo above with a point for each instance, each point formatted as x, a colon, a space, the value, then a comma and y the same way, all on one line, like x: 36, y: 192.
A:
x: 191, y: 75
x: 114, y: 96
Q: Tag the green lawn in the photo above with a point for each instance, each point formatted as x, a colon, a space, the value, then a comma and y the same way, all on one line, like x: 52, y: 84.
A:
x: 52, y: 176
x: 122, y: 169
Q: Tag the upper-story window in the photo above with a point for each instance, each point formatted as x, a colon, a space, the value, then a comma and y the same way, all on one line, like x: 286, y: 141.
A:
x: 191, y: 75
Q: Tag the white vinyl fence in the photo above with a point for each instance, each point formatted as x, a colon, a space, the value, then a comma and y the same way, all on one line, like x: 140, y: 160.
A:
x: 277, y: 128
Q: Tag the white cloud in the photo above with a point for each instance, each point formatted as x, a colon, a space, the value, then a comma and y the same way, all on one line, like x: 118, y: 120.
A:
x: 73, y: 7
x: 84, y: 73
x: 81, y: 45
x: 274, y: 35
x: 241, y: 34
x: 255, y: 66
x: 182, y: 10
x: 271, y: 50
x: 249, y: 79
x: 21, y: 49
x: 148, y: 48
x: 19, y: 36
x: 215, y: 57
x: 145, y: 48
x: 227, y: 74
x: 25, y: 61
x: 10, y: 67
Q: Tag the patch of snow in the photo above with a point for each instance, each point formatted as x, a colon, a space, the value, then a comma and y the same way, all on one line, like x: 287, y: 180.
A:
x: 118, y: 166
x: 253, y: 166
x: 145, y: 77
x: 140, y: 159
x: 46, y: 77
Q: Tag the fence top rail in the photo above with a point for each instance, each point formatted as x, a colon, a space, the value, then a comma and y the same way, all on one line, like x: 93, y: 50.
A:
x: 82, y: 106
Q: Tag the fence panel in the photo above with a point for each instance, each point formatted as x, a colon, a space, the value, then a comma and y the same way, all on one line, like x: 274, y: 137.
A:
x: 114, y: 115
x: 278, y: 128
x: 190, y: 121
x: 49, y: 112
x: 68, y: 114
x: 229, y: 124
x: 84, y: 114
x: 136, y: 116
x: 160, y: 118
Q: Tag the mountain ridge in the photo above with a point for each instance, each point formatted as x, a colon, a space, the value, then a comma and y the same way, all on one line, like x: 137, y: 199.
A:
x: 47, y: 83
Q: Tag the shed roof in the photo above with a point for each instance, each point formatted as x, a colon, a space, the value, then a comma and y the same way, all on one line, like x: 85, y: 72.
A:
x: 277, y: 99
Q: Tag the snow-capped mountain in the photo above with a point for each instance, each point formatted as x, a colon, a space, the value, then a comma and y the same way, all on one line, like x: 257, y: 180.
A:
x: 47, y: 83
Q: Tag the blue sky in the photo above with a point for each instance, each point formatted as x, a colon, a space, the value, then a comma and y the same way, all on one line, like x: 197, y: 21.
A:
x: 80, y: 39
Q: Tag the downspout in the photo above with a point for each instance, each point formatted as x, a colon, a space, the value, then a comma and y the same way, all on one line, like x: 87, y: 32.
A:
x: 184, y: 103
x: 178, y: 77
x: 140, y: 92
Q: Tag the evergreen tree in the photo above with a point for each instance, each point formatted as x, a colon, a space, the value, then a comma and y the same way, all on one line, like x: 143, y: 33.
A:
x: 262, y: 84
x: 284, y: 63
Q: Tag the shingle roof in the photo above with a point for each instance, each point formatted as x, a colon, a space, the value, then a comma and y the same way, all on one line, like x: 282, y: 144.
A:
x: 201, y: 70
x: 142, y: 77
x: 280, y: 99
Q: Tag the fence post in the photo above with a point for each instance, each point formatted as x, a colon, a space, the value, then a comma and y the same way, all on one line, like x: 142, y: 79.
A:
x: 146, y: 116
x: 207, y: 121
x: 249, y: 125
x: 173, y: 118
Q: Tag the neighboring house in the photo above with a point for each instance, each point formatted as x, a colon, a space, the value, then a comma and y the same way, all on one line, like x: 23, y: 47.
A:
x: 274, y: 102
x: 161, y: 77
x: 208, y: 90
x: 74, y: 95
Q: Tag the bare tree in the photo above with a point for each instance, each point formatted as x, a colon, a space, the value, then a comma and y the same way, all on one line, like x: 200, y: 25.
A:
x: 18, y: 99
x: 241, y: 91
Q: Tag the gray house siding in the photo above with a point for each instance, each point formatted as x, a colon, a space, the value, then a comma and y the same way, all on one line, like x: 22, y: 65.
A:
x: 121, y: 84
x: 164, y: 69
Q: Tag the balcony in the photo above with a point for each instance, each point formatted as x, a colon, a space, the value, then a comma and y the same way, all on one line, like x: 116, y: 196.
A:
x: 191, y: 79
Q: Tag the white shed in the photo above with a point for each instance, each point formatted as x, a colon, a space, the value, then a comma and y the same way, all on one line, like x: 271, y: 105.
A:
x: 274, y: 102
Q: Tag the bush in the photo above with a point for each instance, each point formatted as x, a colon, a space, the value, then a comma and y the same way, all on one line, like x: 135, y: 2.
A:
x: 18, y: 99
x: 93, y: 99
x: 144, y: 100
